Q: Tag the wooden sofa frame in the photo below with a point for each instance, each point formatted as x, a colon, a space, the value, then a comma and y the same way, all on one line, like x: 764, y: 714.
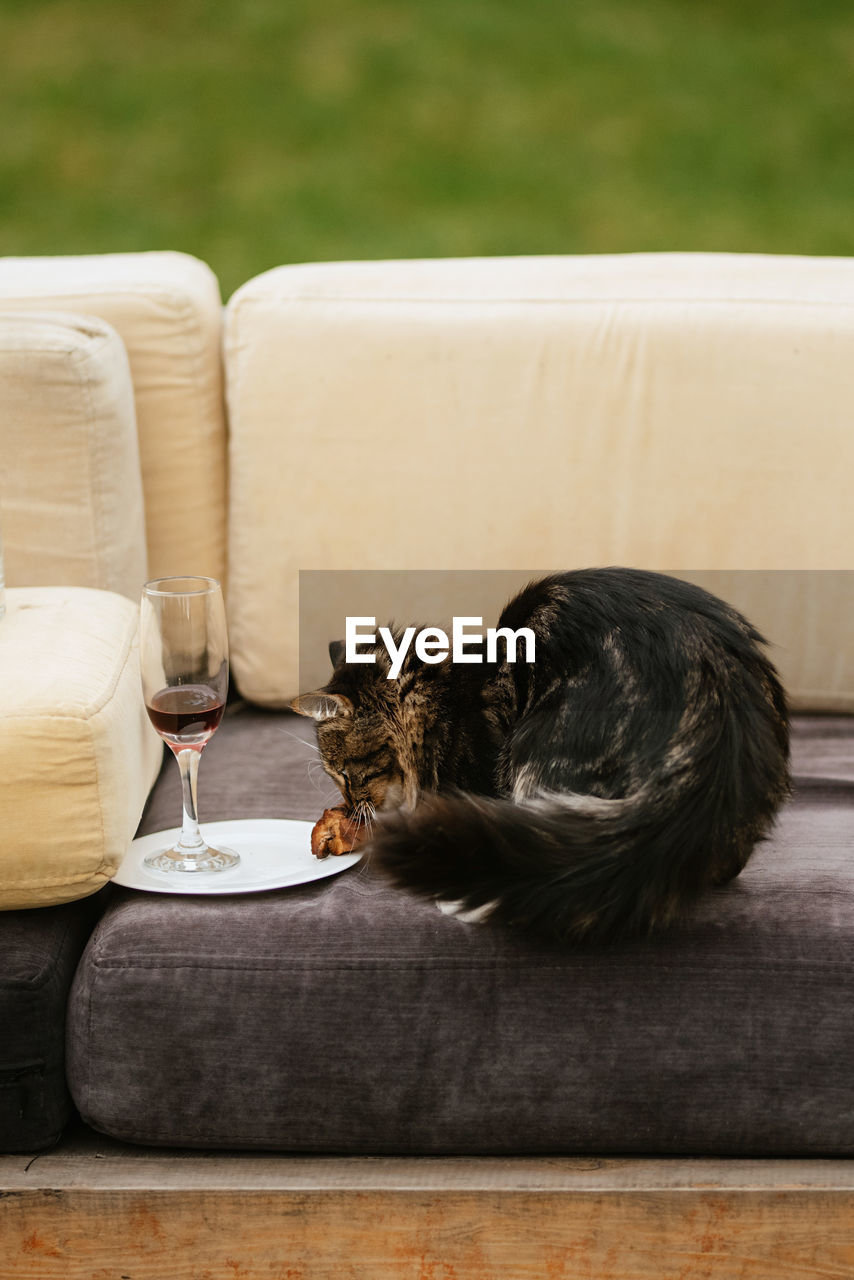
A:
x: 95, y: 1209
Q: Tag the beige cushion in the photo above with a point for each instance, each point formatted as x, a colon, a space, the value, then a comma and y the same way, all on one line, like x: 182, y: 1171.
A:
x: 665, y: 411
x: 166, y: 308
x: 77, y: 754
x: 70, y: 487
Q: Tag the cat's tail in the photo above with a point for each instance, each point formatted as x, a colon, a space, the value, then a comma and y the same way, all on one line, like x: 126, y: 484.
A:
x: 577, y: 868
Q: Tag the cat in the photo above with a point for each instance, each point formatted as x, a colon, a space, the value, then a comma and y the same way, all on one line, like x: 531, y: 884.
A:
x: 589, y: 796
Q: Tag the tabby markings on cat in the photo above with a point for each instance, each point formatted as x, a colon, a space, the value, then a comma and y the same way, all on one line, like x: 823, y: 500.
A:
x: 590, y: 796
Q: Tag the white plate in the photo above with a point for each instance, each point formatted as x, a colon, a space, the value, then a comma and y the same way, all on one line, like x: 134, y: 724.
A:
x: 274, y: 853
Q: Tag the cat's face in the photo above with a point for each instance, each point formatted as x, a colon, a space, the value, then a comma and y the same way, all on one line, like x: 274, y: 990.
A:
x: 357, y: 739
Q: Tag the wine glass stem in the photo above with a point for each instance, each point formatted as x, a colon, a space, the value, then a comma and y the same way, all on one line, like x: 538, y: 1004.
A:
x: 188, y: 763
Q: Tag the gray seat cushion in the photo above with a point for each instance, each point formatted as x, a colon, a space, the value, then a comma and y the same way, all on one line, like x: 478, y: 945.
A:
x: 39, y: 950
x: 345, y: 1016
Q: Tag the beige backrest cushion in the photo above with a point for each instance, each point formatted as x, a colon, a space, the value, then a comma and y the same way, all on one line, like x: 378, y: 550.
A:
x: 71, y: 510
x: 680, y: 412
x: 166, y: 307
x: 78, y: 755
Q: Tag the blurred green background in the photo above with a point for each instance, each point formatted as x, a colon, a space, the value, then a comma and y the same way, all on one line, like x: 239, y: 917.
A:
x: 267, y: 131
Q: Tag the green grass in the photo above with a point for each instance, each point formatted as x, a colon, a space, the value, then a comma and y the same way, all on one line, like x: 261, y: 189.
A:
x: 258, y: 132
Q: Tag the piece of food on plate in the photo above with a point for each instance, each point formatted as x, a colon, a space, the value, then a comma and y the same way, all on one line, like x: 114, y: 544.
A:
x: 335, y: 832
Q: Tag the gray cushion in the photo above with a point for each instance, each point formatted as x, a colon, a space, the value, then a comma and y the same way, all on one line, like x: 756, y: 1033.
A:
x: 39, y: 950
x: 345, y: 1016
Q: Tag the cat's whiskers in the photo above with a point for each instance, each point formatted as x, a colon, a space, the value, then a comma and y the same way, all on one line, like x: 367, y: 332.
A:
x: 363, y: 813
x: 368, y: 815
x: 297, y: 738
x: 313, y: 766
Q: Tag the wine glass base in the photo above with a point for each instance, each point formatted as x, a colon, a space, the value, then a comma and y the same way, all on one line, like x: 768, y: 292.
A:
x: 191, y: 861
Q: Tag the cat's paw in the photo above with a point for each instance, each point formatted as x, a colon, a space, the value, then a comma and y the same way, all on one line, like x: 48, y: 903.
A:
x: 335, y: 833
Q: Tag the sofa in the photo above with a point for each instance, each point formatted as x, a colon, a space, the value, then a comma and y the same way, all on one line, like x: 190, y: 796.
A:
x: 687, y: 413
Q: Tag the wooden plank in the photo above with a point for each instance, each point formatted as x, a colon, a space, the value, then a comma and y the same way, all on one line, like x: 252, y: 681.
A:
x: 95, y: 1210
x: 250, y: 1235
x: 87, y: 1160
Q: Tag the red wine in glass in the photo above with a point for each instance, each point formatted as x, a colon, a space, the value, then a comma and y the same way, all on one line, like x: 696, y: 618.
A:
x: 186, y: 714
x: 183, y: 657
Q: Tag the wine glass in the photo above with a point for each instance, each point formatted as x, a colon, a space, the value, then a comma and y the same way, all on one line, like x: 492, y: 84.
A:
x: 183, y: 658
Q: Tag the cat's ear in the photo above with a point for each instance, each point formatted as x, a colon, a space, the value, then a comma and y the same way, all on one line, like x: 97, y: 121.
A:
x: 337, y: 650
x: 322, y: 705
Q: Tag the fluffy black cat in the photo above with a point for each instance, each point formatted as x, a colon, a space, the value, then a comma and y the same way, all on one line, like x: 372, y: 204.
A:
x: 587, y: 796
